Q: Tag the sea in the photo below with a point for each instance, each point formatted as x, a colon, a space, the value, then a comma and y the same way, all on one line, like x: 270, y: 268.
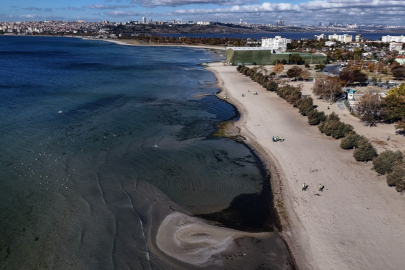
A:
x: 289, y: 35
x: 99, y: 142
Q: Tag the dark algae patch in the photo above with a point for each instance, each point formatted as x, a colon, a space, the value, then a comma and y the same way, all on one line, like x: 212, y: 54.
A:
x: 247, y: 212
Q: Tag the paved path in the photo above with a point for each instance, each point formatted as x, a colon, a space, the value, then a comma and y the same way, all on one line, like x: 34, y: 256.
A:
x: 341, y: 105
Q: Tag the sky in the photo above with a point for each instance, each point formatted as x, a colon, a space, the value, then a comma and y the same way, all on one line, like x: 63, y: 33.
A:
x: 293, y: 12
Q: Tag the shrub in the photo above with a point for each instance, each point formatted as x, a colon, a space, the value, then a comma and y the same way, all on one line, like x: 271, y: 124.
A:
x: 333, y: 127
x: 271, y: 86
x: 384, y: 162
x: 350, y: 140
x: 315, y: 117
x: 286, y: 90
x: 293, y: 97
x: 305, y: 105
x: 341, y: 130
x: 364, y: 151
x: 397, y: 177
x: 333, y: 116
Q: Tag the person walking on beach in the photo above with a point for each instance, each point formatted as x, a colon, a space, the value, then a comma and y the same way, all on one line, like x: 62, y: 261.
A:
x: 303, y: 187
x: 321, y: 187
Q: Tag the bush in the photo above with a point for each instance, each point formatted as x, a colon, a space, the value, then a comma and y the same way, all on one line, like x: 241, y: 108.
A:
x: 350, y: 140
x: 384, y: 162
x: 290, y: 93
x: 305, y: 105
x: 293, y: 97
x: 341, y: 130
x: 271, y: 86
x: 365, y: 151
x: 333, y: 127
x: 333, y: 116
x: 397, y: 177
x: 315, y: 117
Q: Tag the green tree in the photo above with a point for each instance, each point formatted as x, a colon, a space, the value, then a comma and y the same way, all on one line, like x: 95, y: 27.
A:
x: 395, y: 103
x: 350, y: 140
x: 401, y: 125
x: 271, y: 86
x: 385, y: 161
x: 294, y: 72
x: 296, y: 59
x: 397, y: 177
x: 305, y: 105
x: 315, y: 117
x: 398, y: 72
x: 365, y: 151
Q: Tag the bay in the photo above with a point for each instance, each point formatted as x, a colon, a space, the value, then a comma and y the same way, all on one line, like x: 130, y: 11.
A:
x: 102, y: 143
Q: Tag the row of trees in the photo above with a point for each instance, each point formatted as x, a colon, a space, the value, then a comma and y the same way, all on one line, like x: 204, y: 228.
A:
x: 390, y: 163
x: 187, y: 40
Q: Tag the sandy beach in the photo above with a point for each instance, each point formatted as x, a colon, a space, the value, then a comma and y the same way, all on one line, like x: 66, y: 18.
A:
x: 357, y: 222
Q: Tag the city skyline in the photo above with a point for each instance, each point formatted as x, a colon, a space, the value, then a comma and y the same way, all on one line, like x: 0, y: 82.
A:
x: 299, y: 12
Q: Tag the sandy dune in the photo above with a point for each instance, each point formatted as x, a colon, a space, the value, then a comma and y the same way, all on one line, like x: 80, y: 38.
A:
x: 357, y: 222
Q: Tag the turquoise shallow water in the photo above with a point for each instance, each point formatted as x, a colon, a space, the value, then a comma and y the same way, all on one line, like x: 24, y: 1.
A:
x: 77, y: 187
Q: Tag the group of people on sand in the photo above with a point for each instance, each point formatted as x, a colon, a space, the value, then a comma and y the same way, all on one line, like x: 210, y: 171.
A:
x: 254, y: 93
x: 305, y: 186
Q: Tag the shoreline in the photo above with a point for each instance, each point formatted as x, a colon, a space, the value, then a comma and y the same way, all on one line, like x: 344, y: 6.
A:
x: 269, y: 163
x: 356, y: 223
x: 129, y: 42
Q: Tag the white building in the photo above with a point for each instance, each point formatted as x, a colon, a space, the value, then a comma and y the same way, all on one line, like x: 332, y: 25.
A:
x: 396, y: 46
x: 143, y: 20
x: 277, y: 43
x: 203, y: 23
x: 393, y: 38
x: 321, y: 36
x: 329, y: 43
x: 341, y: 38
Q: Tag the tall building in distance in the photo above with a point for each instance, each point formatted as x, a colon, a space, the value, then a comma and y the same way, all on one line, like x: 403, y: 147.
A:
x: 143, y: 20
x: 240, y: 21
x: 280, y: 22
x: 320, y: 23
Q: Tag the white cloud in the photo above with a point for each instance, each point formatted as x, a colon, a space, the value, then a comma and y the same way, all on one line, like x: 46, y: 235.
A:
x: 119, y: 13
x: 176, y: 3
x: 370, y: 11
x: 107, y: 6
